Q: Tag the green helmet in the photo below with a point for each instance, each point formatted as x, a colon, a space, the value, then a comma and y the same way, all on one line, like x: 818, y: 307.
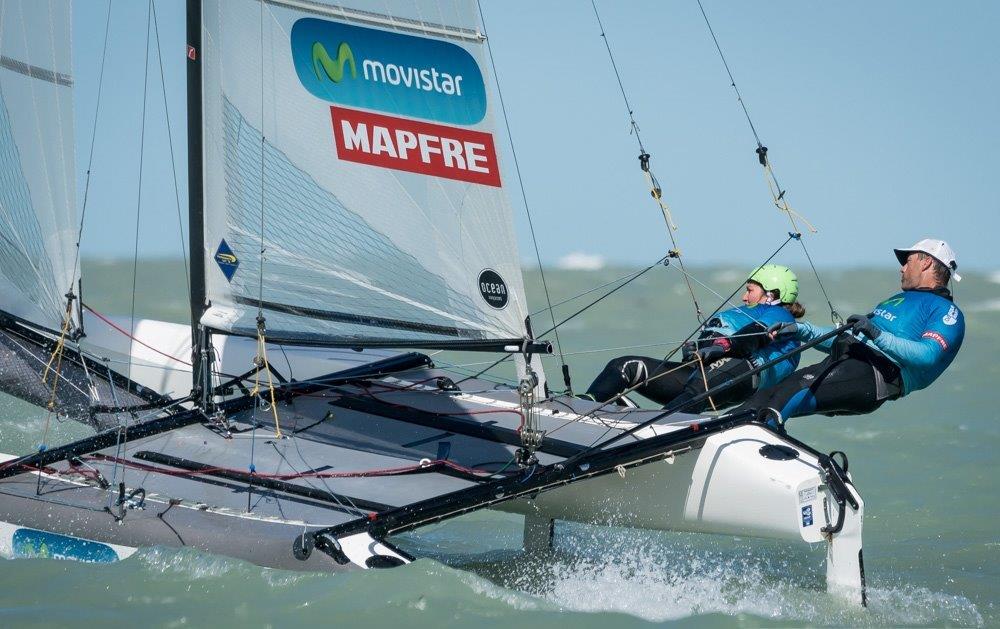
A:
x: 779, y: 278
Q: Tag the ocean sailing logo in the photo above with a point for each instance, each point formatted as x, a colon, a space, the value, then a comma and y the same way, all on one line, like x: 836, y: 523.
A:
x: 389, y: 72
x: 493, y: 289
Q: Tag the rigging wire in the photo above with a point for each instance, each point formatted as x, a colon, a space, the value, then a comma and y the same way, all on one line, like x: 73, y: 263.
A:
x: 93, y: 141
x: 777, y: 192
x: 260, y: 360
x: 655, y: 190
x: 524, y: 198
x: 170, y: 142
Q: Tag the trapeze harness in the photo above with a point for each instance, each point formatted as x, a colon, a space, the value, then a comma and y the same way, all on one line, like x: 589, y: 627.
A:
x: 921, y: 332
x: 741, y: 332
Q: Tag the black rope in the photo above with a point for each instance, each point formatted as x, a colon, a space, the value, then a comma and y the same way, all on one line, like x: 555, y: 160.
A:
x: 765, y: 162
x: 170, y: 141
x: 524, y: 198
x: 670, y: 355
x: 589, y: 291
x: 607, y: 294
x: 555, y: 325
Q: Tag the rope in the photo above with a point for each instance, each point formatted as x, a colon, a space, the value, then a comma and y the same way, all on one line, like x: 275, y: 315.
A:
x: 655, y: 190
x: 777, y: 192
x: 704, y: 380
x: 262, y: 364
x: 423, y: 466
x: 56, y: 357
x: 527, y: 207
x: 693, y: 332
x: 118, y: 328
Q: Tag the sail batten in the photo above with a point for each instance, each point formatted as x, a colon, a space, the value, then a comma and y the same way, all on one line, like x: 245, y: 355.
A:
x: 378, y: 19
x: 353, y: 189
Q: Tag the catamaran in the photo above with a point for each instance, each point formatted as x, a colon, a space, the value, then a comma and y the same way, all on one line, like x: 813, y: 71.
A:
x: 348, y: 212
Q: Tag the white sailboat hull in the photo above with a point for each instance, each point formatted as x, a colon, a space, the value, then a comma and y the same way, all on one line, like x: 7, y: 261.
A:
x: 745, y: 481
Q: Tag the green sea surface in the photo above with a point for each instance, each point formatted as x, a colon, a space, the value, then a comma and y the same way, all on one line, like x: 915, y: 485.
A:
x: 925, y: 465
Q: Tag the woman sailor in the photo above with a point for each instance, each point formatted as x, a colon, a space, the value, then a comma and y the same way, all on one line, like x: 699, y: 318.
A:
x: 732, y: 343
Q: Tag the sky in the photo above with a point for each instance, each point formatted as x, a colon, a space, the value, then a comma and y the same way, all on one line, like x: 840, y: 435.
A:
x: 881, y: 120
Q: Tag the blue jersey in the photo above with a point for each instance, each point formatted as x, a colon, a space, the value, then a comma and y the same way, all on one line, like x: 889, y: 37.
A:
x: 731, y: 321
x: 921, y: 333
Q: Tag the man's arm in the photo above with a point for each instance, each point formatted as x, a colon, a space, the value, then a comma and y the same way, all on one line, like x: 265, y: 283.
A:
x: 914, y: 354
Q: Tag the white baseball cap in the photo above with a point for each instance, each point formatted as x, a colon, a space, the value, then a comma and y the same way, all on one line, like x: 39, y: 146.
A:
x: 937, y: 249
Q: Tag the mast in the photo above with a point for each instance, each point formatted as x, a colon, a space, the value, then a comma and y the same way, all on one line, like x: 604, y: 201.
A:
x: 196, y: 221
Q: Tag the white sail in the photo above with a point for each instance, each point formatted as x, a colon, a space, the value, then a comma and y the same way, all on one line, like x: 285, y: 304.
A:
x: 357, y: 150
x: 37, y: 193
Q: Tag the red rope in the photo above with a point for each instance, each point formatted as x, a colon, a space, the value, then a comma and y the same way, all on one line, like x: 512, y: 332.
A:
x: 389, y: 471
x: 126, y: 333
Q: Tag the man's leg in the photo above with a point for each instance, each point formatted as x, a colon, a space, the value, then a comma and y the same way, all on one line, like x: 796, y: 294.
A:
x: 845, y: 386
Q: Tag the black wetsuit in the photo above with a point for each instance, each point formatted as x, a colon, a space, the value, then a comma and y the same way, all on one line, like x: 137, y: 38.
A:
x: 738, y: 331
x: 671, y: 383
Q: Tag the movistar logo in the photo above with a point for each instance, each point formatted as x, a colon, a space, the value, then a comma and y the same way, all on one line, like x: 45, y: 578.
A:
x: 409, y: 76
x: 386, y: 71
x: 332, y: 69
x: 895, y: 301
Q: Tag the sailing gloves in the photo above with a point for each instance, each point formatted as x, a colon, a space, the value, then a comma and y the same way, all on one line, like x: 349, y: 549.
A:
x: 863, y: 324
x: 783, y: 330
x: 708, y: 353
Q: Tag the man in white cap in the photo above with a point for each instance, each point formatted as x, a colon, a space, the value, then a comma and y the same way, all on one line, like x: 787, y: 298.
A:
x: 902, y: 346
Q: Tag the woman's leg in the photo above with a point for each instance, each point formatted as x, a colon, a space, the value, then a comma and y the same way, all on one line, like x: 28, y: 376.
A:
x: 716, y: 373
x: 653, y: 378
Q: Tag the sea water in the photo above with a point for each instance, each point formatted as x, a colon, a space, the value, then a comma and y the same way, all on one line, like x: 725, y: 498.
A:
x: 925, y: 466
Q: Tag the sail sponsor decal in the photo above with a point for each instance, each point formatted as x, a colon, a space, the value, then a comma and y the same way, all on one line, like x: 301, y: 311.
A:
x: 227, y: 260
x: 493, y: 289
x: 388, y: 72
x: 414, y: 146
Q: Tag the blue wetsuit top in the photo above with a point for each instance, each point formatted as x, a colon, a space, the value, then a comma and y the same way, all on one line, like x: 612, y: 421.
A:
x: 922, y: 331
x: 731, y: 321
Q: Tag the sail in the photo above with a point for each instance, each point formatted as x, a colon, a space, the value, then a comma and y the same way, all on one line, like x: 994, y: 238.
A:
x: 37, y: 194
x: 352, y: 186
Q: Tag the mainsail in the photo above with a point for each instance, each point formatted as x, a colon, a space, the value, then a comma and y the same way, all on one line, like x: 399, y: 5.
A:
x: 37, y: 193
x: 352, y: 185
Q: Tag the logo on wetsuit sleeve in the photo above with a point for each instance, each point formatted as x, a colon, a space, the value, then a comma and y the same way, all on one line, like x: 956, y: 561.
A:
x: 936, y: 337
x: 951, y: 318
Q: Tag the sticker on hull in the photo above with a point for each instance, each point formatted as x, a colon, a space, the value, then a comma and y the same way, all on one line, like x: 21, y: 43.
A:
x: 31, y: 543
